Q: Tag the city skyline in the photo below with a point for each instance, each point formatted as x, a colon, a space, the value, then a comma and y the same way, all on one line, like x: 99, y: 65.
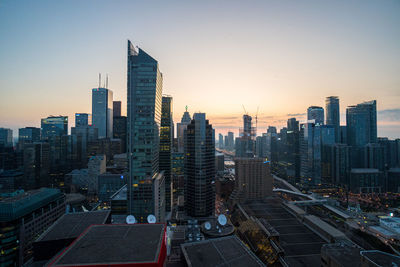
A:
x: 334, y: 54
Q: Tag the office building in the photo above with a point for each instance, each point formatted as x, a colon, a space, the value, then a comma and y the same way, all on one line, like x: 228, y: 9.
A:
x: 96, y: 166
x: 83, y: 119
x: 84, y: 135
x: 6, y: 137
x: 220, y: 141
x: 293, y: 146
x: 310, y: 153
x: 366, y: 180
x: 120, y: 131
x: 316, y: 113
x: 220, y: 163
x: 180, y: 128
x: 199, y: 167
x: 108, y: 184
x: 54, y: 126
x: 36, y: 164
x: 253, y: 179
x: 261, y: 146
x: 361, y: 124
x: 102, y: 111
x: 117, y: 109
x: 23, y: 217
x: 166, y: 138
x: 11, y: 180
x: 343, y: 134
x: 333, y: 115
x: 178, y: 179
x: 230, y: 144
x: 340, y: 162
x: 28, y: 135
x: 144, y: 118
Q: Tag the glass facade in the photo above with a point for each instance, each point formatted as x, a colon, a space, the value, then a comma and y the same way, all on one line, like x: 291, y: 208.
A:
x: 102, y: 111
x: 29, y: 134
x: 144, y: 118
x: 54, y: 126
x: 316, y: 113
x: 333, y: 115
x: 83, y: 119
x: 361, y: 124
x: 166, y: 137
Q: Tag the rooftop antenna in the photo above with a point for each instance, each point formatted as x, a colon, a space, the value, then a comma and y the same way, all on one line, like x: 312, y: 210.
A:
x: 99, y: 80
x: 107, y: 81
x: 186, y: 107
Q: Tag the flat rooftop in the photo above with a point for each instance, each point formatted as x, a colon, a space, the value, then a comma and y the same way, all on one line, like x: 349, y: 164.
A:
x: 381, y: 258
x: 224, y: 251
x: 113, y: 245
x: 71, y: 225
x: 302, y: 247
x: 344, y: 254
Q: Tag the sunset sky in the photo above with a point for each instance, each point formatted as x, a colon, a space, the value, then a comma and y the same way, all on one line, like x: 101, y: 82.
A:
x: 281, y: 56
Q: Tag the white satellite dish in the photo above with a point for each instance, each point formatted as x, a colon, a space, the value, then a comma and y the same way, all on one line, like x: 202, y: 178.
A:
x: 207, y: 225
x: 222, y: 219
x: 151, y: 218
x: 130, y: 219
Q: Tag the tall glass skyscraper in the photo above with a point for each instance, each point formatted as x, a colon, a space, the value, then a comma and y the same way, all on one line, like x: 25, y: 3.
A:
x: 83, y: 119
x: 54, y: 126
x: 144, y: 117
x: 361, y: 124
x: 333, y: 115
x: 102, y: 111
x: 316, y: 113
x: 199, y: 167
x: 180, y: 129
x: 166, y: 140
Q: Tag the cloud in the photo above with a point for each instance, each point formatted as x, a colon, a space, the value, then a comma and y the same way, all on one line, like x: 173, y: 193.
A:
x: 386, y: 115
x: 295, y: 114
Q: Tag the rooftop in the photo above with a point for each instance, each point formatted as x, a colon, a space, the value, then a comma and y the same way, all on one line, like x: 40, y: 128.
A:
x: 380, y: 258
x: 71, y: 225
x: 224, y: 251
x: 115, y: 245
x: 364, y: 170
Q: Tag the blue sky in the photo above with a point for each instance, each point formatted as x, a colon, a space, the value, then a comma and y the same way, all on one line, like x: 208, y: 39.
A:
x: 216, y: 56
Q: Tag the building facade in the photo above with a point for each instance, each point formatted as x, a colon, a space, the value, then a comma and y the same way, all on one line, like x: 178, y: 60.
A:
x: 102, y: 111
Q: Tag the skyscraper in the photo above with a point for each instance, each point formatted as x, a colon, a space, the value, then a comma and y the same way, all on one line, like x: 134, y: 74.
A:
x: 293, y: 169
x: 6, y: 136
x: 220, y: 141
x: 310, y: 153
x: 316, y: 113
x: 361, y: 124
x: 83, y: 119
x: 54, y: 126
x: 230, y: 141
x: 120, y: 130
x: 102, y: 111
x: 181, y: 127
x: 199, y: 167
x: 166, y: 137
x: 333, y: 115
x: 29, y: 135
x: 144, y: 118
x: 116, y: 108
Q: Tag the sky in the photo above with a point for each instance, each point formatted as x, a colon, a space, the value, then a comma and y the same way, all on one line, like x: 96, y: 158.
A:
x: 217, y: 57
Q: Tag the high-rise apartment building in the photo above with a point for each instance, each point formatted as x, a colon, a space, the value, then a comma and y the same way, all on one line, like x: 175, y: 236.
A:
x: 293, y: 145
x: 83, y: 119
x: 333, y: 115
x: 102, y: 111
x: 316, y: 113
x: 166, y: 138
x: 199, y: 167
x: 361, y: 124
x: 220, y: 141
x: 144, y: 118
x: 116, y: 108
x: 230, y: 144
x: 54, y: 126
x: 180, y: 128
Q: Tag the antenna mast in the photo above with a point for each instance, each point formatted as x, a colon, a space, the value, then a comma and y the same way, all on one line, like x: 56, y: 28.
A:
x: 99, y: 80
x: 107, y: 81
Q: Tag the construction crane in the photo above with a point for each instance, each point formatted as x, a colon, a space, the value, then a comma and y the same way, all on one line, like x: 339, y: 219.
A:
x: 245, y: 112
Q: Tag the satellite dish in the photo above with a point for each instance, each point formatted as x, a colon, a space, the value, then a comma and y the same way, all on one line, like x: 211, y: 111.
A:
x: 222, y: 219
x: 130, y: 219
x: 207, y: 225
x: 151, y: 218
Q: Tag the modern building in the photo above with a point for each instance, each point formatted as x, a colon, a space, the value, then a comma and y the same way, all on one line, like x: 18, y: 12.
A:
x: 84, y: 136
x: 11, y: 180
x: 220, y: 141
x: 333, y: 115
x: 96, y: 166
x: 366, y: 180
x: 108, y: 184
x: 36, y: 164
x: 253, y: 179
x: 144, y: 119
x: 83, y: 119
x: 220, y: 163
x: 28, y: 135
x: 117, y: 109
x: 310, y: 153
x: 6, y: 137
x: 54, y: 126
x: 102, y: 111
x: 199, y: 167
x: 361, y: 124
x: 230, y: 144
x: 166, y: 147
x: 178, y: 178
x: 23, y: 217
x: 315, y: 113
x: 293, y: 146
x: 180, y: 129
x: 120, y: 131
x: 393, y: 180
